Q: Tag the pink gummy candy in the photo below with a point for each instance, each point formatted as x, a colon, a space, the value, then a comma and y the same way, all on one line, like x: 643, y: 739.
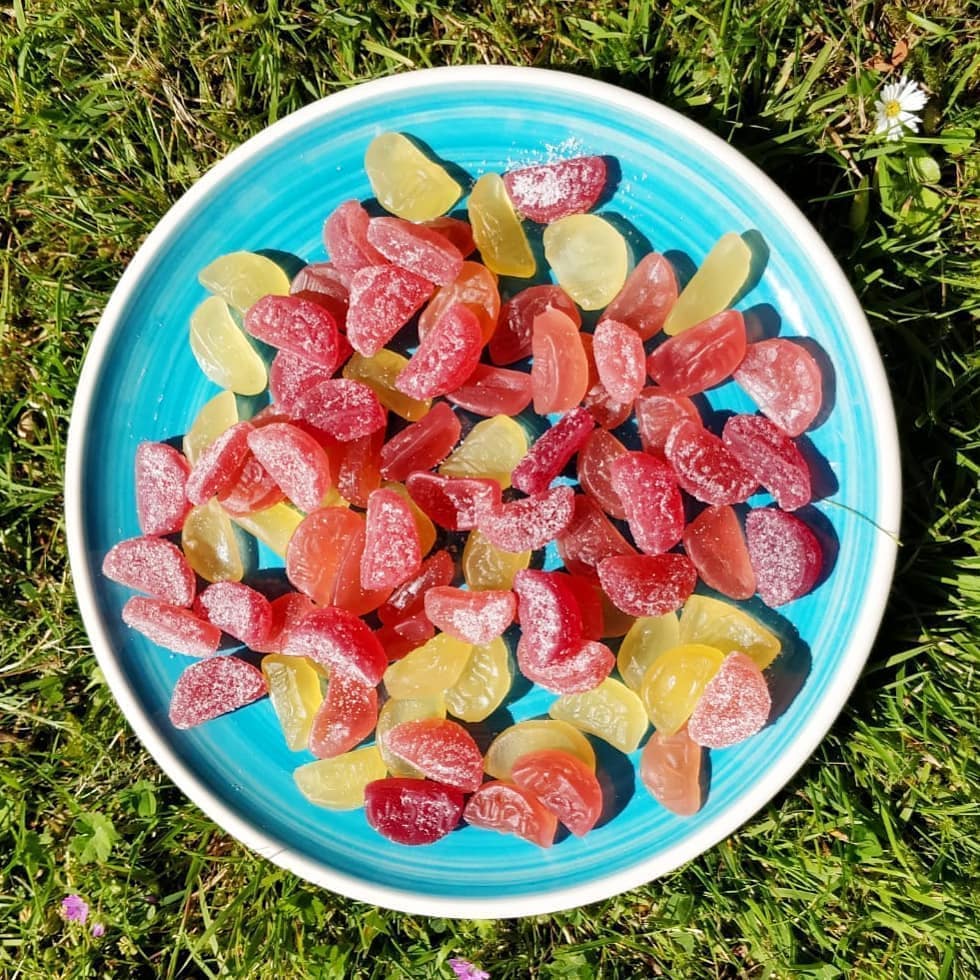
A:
x: 440, y: 749
x: 657, y: 412
x: 345, y: 236
x: 552, y: 452
x: 251, y: 488
x: 784, y: 380
x: 238, y: 610
x: 327, y: 285
x: 553, y: 190
x: 214, y: 687
x: 346, y: 716
x: 734, y: 706
x: 647, y: 297
x: 295, y: 460
x: 619, y: 359
x: 715, y: 543
x: 154, y: 566
x: 438, y: 569
x: 475, y: 617
x: 528, y: 523
x: 340, y: 641
x: 652, y: 500
x: 702, y: 356
x: 445, y: 357
x: 589, y: 538
x: 579, y: 668
x: 172, y: 627
x: 421, y: 445
x: 771, y: 457
x: 341, y: 408
x: 161, y: 488
x: 290, y: 376
x: 512, y: 340
x: 549, y: 613
x: 648, y: 585
x: 706, y: 468
x: 786, y: 555
x: 383, y: 298
x: 392, y: 553
x: 492, y: 391
x: 295, y: 324
x: 454, y: 503
x: 219, y: 464
x: 594, y: 461
x: 417, y: 248
x: 503, y: 806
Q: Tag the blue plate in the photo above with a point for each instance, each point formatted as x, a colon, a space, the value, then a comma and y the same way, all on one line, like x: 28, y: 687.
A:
x: 680, y: 189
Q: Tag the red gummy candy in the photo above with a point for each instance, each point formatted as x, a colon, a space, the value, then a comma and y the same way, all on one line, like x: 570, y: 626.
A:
x: 474, y: 617
x: 646, y: 298
x: 784, y: 380
x: 560, y: 369
x: 588, y: 595
x: 670, y: 768
x: 405, y: 635
x: 456, y: 231
x: 340, y: 641
x: 421, y: 445
x: 438, y: 569
x: 598, y: 454
x: 786, y: 555
x: 316, y: 550
x: 214, y: 687
x: 771, y: 457
x: 341, y: 408
x: 287, y: 611
x: 589, y: 538
x: 476, y: 288
x: 161, y: 488
x: 412, y: 811
x: 350, y: 593
x: 251, y: 488
x: 652, y: 500
x: 417, y: 248
x: 219, y: 464
x: 574, y: 671
x: 454, y: 503
x: 345, y: 236
x: 290, y: 376
x: 657, y: 412
x: 238, y: 610
x: 492, y: 391
x: 295, y: 460
x: 440, y: 749
x: 549, y: 613
x: 706, y: 468
x: 552, y: 452
x: 392, y: 554
x: 528, y: 523
x: 734, y: 705
x: 383, y: 298
x: 154, y: 566
x: 553, y: 190
x: 172, y: 627
x: 295, y: 324
x: 347, y: 715
x: 700, y: 357
x: 648, y: 585
x: 324, y: 283
x: 357, y: 462
x: 505, y: 807
x: 512, y: 340
x: 564, y: 784
x: 715, y: 543
x: 603, y: 407
x: 619, y: 359
x: 446, y: 356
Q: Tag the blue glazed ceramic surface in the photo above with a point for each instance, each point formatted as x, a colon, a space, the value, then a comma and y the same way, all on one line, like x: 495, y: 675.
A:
x: 680, y: 189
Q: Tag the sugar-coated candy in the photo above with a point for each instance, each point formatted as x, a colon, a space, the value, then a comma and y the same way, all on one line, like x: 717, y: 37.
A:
x: 476, y: 288
x: 154, y: 566
x: 505, y: 807
x: 734, y: 705
x: 476, y: 617
x: 295, y: 460
x: 648, y: 585
x: 492, y: 391
x: 548, y: 611
x: 651, y: 499
x: 341, y: 642
x: 564, y: 784
x: 328, y: 283
x: 161, y: 488
x: 287, y: 610
x: 715, y: 543
x: 701, y: 357
x: 589, y: 538
x: 440, y: 749
x: 250, y: 489
x: 454, y: 503
x: 552, y: 452
x: 497, y: 229
x: 771, y: 457
x: 438, y: 569
x: 784, y: 380
x: 210, y: 544
x: 222, y: 350
x: 406, y: 181
x: 339, y: 783
x: 290, y: 375
x: 445, y: 357
x: 646, y: 639
x: 657, y: 412
x: 346, y: 716
x: 421, y: 250
x: 345, y: 236
x: 243, y: 278
x: 215, y: 416
x: 560, y: 369
x: 295, y: 694
x: 549, y: 191
x: 485, y: 566
x: 430, y: 669
x: 412, y: 811
x: 172, y: 627
x: 213, y: 687
x: 341, y: 408
x: 610, y: 711
x: 602, y: 405
x: 528, y: 523
x: 601, y: 449
x: 674, y: 682
x: 238, y: 610
x: 219, y: 463
x: 589, y: 258
x: 580, y: 667
x: 786, y: 555
x: 392, y: 553
x: 483, y: 683
x: 512, y: 339
x: 727, y: 627
x: 297, y: 325
x: 490, y: 450
x: 706, y: 468
x: 535, y: 735
x: 423, y: 523
x: 393, y: 712
x: 383, y: 298
x: 671, y: 769
x: 349, y: 592
x: 620, y: 359
x: 646, y: 298
x: 380, y: 372
x: 421, y: 445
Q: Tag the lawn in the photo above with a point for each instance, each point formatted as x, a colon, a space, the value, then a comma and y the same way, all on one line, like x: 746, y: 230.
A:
x: 866, y: 864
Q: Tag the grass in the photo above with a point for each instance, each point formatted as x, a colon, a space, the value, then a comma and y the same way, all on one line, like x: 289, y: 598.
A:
x: 866, y: 864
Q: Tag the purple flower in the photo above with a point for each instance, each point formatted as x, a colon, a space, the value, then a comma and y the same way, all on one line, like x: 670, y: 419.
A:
x: 465, y: 970
x: 74, y: 908
x: 98, y: 930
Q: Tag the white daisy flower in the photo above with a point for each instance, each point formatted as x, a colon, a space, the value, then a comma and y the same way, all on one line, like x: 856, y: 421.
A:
x: 898, y: 108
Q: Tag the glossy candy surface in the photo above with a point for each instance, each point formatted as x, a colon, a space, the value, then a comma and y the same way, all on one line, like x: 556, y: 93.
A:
x: 490, y: 450
x: 412, y: 811
x: 703, y: 356
x: 560, y: 369
x: 714, y: 541
x: 222, y: 350
x: 440, y: 749
x: 340, y: 783
x: 564, y: 784
x: 296, y: 695
x: 406, y: 181
x: 589, y: 258
x: 484, y: 683
x: 243, y: 278
x: 422, y: 445
x: 346, y: 716
x: 341, y: 642
x: 534, y: 735
x: 512, y: 340
x: 497, y: 229
x: 507, y: 808
x: 646, y: 298
x: 785, y: 382
x: 671, y: 769
x: 610, y: 711
x: 674, y: 682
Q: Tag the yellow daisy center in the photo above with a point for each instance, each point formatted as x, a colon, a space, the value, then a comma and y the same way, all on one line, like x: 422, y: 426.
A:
x: 893, y: 108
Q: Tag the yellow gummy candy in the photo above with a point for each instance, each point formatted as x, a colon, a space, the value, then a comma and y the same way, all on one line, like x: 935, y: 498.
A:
x: 273, y: 526
x: 242, y: 278
x: 429, y: 669
x: 531, y: 736
x: 215, y: 415
x: 394, y: 712
x: 485, y: 566
x: 492, y: 448
x: 497, y: 230
x: 612, y: 711
x: 222, y: 350
x: 208, y: 541
x: 405, y: 181
x: 647, y: 638
x: 727, y: 628
x: 379, y: 373
x: 483, y: 684
x: 674, y: 683
x: 589, y: 258
x: 713, y: 287
x: 339, y: 783
x: 295, y: 693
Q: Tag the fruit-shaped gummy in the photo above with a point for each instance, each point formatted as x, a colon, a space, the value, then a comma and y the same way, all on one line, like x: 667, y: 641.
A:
x: 421, y: 250
x: 210, y: 544
x: 295, y: 460
x: 392, y: 554
x: 674, y: 682
x: 436, y: 570
x: 476, y: 287
x: 345, y: 236
x: 715, y: 543
x: 601, y: 449
x: 486, y: 566
x: 380, y: 373
x: 490, y: 450
x: 647, y: 297
x: 314, y: 555
x: 250, y: 489
x: 647, y: 638
x: 651, y: 498
x: 610, y: 711
x: 589, y: 257
x: 383, y: 298
x: 358, y: 468
x: 512, y: 340
x: 553, y: 451
x: 712, y: 288
x: 290, y: 375
x: 445, y: 357
x: 560, y: 369
x: 734, y: 706
x: 297, y: 325
x: 492, y: 391
x: 670, y: 768
x: 401, y: 636
x: 548, y: 611
x: 589, y: 538
x: 726, y: 627
x: 483, y: 684
x: 701, y: 357
x: 440, y: 749
x: 213, y: 687
x: 346, y: 717
x: 243, y: 278
x: 429, y: 670
x: 223, y: 352
x: 349, y: 593
x: 575, y: 669
x: 535, y: 735
x: 406, y: 181
x: 172, y: 627
x: 397, y: 710
x: 421, y: 445
x: 497, y: 229
x: 607, y: 411
x: 564, y: 784
x: 274, y: 526
x: 154, y: 566
x: 341, y: 642
x: 328, y: 283
x: 786, y: 555
x: 648, y: 585
x: 214, y: 417
x: 456, y: 230
x: 219, y: 463
x: 476, y: 617
x: 508, y: 809
x: 341, y: 408
x: 423, y: 523
x: 237, y: 609
x: 550, y: 191
x: 620, y: 359
x: 287, y: 611
x: 706, y: 468
x: 657, y: 412
x: 295, y: 693
x: 454, y: 503
x: 339, y: 783
x: 771, y: 457
x: 412, y: 811
x: 784, y: 380
x: 528, y: 523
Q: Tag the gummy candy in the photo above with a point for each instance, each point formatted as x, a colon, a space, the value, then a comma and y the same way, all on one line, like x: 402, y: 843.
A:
x: 405, y: 181
x: 154, y: 566
x: 483, y: 684
x: 497, y: 230
x: 476, y: 288
x: 534, y: 735
x: 492, y: 391
x: 251, y: 488
x: 564, y: 784
x: 648, y: 585
x: 219, y: 463
x: 670, y: 768
x: 340, y: 783
x: 294, y: 690
x: 647, y: 297
x: 313, y: 555
x: 715, y: 543
x: 647, y: 638
x: 705, y: 467
x: 295, y: 460
x: 431, y: 669
x: 735, y: 704
x: 490, y: 450
x: 243, y: 278
x: 215, y: 416
x: 393, y: 712
x: 726, y: 627
x: 589, y: 258
x: 297, y: 325
x: 392, y: 554
x: 440, y: 749
x: 421, y: 250
x: 589, y: 538
x: 784, y: 380
x: 412, y: 811
x: 290, y: 375
x: 651, y: 498
x: 341, y: 408
x: 550, y: 191
x: 476, y: 617
x: 657, y: 412
x: 560, y: 370
x: 620, y: 359
x: 345, y: 236
x: 486, y: 566
x: 512, y: 340
x: 771, y: 457
x: 454, y: 503
x: 213, y: 687
x: 528, y: 523
x: 703, y: 356
x: 173, y: 627
x: 346, y: 717
x: 507, y: 808
x: 594, y: 461
x: 610, y: 711
x: 578, y: 668
x: 238, y: 610
x: 383, y: 298
x: 210, y: 545
x: 445, y: 357
x: 422, y: 445
x: 603, y: 407
x: 222, y: 351
x: 785, y: 554
x: 436, y: 570
x: 553, y: 451
x: 674, y: 682
x: 340, y: 641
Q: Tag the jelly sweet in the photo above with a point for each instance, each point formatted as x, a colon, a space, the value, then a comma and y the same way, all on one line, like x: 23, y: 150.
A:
x: 210, y: 544
x: 601, y: 449
x: 784, y: 380
x: 223, y: 352
x: 422, y: 445
x: 456, y: 230
x: 492, y: 391
x: 328, y: 283
x: 620, y: 359
x: 610, y: 711
x: 401, y: 636
x: 476, y: 617
x: 238, y: 610
x: 393, y: 712
x: 213, y: 687
x: 406, y: 181
x: 423, y: 523
x: 646, y: 639
x: 380, y: 373
x: 358, y: 472
x: 345, y: 236
x: 578, y: 668
x: 476, y: 288
x: 251, y: 488
x: 243, y: 278
x: 431, y: 669
x: 440, y: 749
x: 549, y: 191
x: 313, y: 556
x: 602, y: 405
x: 657, y: 412
x: 295, y: 460
x: 528, y: 523
x: 715, y: 543
x: 392, y: 553
x: 552, y: 452
x: 706, y: 468
x: 214, y: 417
x: 490, y: 450
x: 771, y: 457
x: 383, y: 298
x: 734, y: 705
x: 346, y: 716
x: 486, y: 566
x: 287, y: 611
x: 535, y: 735
x: 454, y: 503
x: 172, y: 627
x: 786, y: 555
x: 703, y: 356
x: 589, y: 258
x: 445, y: 357
x: 589, y: 538
x: 674, y: 683
x: 651, y: 498
x: 412, y: 811
x: 290, y: 375
x: 560, y: 369
x: 564, y: 784
x: 548, y: 611
x: 219, y: 463
x: 646, y: 298
x: 296, y: 695
x: 512, y: 340
x: 421, y: 250
x: 153, y: 566
x: 648, y: 585
x: 297, y: 325
x: 726, y: 627
x: 483, y: 684
x: 341, y: 642
x: 497, y: 230
x: 340, y: 783
x: 341, y: 408
x: 436, y: 570
x: 507, y: 808
x: 670, y: 768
